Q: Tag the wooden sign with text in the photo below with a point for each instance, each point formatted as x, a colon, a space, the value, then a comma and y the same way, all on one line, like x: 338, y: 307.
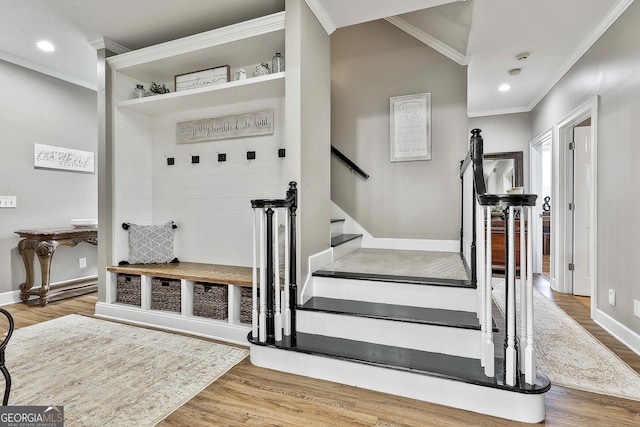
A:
x: 225, y: 127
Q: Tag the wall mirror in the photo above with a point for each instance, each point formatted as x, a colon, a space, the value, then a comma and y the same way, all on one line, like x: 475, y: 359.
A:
x: 503, y: 172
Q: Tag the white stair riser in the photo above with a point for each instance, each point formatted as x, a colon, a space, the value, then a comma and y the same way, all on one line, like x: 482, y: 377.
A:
x: 429, y: 296
x: 496, y: 402
x: 346, y: 248
x: 336, y: 228
x: 432, y: 338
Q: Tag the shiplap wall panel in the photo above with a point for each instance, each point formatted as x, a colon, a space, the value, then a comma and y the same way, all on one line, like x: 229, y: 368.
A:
x: 210, y: 201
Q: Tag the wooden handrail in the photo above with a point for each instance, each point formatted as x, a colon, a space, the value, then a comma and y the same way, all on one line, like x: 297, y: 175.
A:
x: 347, y: 161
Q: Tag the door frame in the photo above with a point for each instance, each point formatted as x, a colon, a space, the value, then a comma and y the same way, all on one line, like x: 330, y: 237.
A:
x: 535, y: 168
x: 560, y: 217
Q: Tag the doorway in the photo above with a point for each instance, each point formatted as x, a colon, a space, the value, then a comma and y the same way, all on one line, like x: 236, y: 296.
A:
x: 574, y: 241
x: 541, y: 179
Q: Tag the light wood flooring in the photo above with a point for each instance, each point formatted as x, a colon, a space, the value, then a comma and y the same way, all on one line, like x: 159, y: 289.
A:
x: 252, y: 396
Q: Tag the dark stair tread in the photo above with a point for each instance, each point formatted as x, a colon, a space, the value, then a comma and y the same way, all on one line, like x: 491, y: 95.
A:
x: 395, y: 278
x: 402, y: 313
x: 440, y: 365
x: 343, y: 238
x: 337, y: 220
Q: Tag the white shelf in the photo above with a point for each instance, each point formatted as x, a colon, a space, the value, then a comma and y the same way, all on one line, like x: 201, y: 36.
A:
x: 269, y: 86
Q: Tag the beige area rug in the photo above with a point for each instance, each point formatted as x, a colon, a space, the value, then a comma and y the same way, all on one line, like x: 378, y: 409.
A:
x: 109, y: 374
x: 440, y: 265
x: 569, y: 355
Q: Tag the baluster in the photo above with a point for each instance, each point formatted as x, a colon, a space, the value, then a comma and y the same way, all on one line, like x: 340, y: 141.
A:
x: 269, y: 273
x: 511, y: 354
x: 276, y: 266
x: 523, y: 272
x: 263, y: 291
x: 254, y: 287
x: 481, y: 285
x: 529, y: 353
x: 489, y: 368
x: 286, y: 318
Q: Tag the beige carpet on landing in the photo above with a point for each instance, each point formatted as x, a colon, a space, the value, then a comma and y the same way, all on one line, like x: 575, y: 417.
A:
x: 569, y: 355
x: 394, y: 262
x: 109, y: 374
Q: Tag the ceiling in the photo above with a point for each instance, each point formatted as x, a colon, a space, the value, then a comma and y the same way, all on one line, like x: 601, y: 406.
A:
x: 486, y: 35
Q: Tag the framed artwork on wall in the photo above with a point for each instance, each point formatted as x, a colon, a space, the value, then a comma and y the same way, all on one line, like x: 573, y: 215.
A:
x: 52, y: 157
x: 410, y: 127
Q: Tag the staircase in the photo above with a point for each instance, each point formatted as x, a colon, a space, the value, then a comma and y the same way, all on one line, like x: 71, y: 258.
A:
x: 409, y: 334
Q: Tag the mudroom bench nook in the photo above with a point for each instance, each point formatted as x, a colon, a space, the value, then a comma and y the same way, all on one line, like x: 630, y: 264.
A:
x: 209, y: 300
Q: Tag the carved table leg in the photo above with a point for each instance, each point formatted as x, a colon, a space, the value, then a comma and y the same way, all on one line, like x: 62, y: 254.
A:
x: 26, y: 248
x: 45, y: 253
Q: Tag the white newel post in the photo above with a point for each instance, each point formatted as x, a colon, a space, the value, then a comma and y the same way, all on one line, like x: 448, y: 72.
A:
x: 254, y: 277
x: 511, y: 355
x: 489, y: 368
x: 529, y: 352
x: 524, y: 265
x: 276, y: 282
x: 263, y: 283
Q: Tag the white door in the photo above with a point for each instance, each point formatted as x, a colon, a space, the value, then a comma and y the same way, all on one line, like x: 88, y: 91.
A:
x: 582, y: 233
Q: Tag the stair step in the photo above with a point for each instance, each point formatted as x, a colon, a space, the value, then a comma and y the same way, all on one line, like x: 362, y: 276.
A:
x: 434, y: 377
x: 445, y: 294
x: 393, y: 278
x: 402, y: 313
x: 343, y: 238
x: 427, y: 329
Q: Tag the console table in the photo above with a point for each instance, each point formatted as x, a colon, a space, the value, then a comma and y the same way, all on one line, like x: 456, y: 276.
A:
x: 43, y: 242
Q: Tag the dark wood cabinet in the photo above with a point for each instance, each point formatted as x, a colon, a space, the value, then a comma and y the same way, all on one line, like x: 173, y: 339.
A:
x: 498, y: 250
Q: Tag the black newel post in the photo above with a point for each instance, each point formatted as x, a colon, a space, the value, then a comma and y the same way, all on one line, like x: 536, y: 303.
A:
x: 292, y: 194
x: 269, y: 273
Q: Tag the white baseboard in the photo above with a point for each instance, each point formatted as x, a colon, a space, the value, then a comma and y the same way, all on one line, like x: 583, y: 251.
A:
x: 369, y: 241
x: 316, y: 262
x: 10, y: 297
x: 622, y: 333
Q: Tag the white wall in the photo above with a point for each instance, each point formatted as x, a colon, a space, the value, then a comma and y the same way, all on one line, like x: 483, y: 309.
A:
x: 40, y: 109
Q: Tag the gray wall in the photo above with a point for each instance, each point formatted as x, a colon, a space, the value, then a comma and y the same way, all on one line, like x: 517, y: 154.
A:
x: 506, y: 132
x: 369, y: 64
x: 308, y: 118
x: 35, y: 108
x: 610, y: 69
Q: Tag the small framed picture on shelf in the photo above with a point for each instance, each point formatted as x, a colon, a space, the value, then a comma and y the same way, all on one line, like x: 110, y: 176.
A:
x: 202, y: 78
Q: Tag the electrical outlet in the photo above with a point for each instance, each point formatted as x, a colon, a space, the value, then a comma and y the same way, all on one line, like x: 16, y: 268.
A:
x: 636, y: 308
x: 612, y: 297
x: 82, y: 262
x: 8, y: 201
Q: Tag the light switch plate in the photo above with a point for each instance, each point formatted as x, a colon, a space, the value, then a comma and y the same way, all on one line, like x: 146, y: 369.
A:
x: 636, y: 308
x: 612, y: 297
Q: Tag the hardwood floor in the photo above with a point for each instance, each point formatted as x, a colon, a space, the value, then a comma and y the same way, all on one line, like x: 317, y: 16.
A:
x: 252, y: 396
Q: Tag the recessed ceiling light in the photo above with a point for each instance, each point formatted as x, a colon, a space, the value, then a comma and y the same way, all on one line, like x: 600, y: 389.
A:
x: 504, y: 87
x: 46, y: 46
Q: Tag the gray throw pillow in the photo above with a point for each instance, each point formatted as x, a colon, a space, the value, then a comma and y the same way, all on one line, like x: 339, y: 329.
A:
x: 150, y: 244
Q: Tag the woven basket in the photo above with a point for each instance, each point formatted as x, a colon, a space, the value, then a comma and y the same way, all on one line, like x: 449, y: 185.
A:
x: 211, y: 301
x: 246, y: 305
x: 128, y: 289
x: 166, y: 294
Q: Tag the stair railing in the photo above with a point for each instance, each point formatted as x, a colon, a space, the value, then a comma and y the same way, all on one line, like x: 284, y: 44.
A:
x: 272, y: 319
x: 350, y: 164
x: 519, y: 353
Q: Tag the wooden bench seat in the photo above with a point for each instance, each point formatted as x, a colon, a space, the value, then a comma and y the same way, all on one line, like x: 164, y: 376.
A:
x: 198, y: 272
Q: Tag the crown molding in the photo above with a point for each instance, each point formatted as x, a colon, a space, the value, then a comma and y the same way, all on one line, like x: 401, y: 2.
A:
x: 110, y: 45
x: 46, y: 70
x: 429, y: 40
x: 321, y: 14
x: 499, y: 112
x: 586, y: 44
